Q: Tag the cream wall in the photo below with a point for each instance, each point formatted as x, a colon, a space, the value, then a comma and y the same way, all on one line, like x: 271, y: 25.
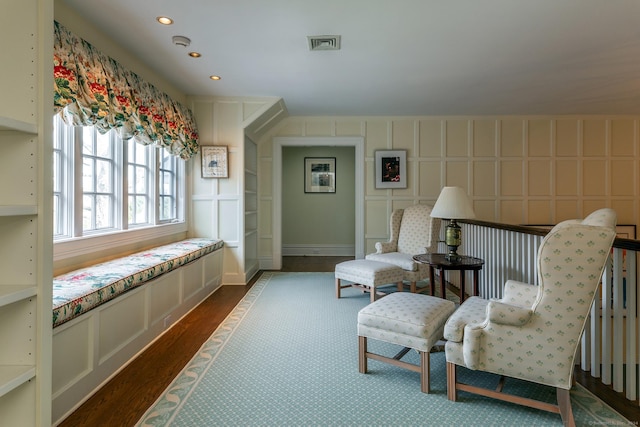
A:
x: 518, y: 170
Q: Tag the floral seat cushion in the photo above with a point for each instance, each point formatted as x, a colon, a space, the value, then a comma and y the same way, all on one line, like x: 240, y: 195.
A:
x: 81, y: 290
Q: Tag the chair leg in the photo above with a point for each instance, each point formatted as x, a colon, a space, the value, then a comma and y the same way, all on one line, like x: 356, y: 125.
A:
x: 564, y: 403
x: 372, y: 291
x: 452, y: 393
x: 412, y: 287
x: 338, y: 288
x: 424, y: 372
x: 400, y: 286
x: 362, y: 354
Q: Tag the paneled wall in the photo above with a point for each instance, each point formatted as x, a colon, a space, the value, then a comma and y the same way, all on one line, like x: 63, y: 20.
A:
x: 519, y: 170
x: 218, y: 205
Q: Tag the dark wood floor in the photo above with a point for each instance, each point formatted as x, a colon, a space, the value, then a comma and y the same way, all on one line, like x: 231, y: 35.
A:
x: 123, y: 400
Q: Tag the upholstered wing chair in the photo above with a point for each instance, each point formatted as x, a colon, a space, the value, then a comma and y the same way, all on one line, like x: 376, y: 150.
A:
x: 413, y: 232
x: 533, y: 332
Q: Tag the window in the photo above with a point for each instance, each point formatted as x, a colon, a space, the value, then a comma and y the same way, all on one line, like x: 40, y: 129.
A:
x: 99, y: 164
x: 139, y: 176
x: 119, y: 186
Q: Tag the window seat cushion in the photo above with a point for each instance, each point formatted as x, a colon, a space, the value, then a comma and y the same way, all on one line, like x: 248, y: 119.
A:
x: 81, y: 290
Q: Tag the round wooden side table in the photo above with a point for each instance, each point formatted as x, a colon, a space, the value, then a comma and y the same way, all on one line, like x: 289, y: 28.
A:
x: 462, y: 264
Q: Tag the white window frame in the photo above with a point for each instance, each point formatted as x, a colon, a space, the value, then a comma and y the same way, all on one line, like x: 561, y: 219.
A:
x: 76, y: 243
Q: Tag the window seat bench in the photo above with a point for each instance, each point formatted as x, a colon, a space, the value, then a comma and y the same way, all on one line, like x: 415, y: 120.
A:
x: 106, y: 314
x: 81, y: 290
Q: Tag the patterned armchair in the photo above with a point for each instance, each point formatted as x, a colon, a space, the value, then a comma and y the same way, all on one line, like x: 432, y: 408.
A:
x: 413, y: 232
x: 533, y: 332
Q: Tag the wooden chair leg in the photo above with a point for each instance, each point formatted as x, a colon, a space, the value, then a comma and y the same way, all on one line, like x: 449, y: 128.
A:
x: 412, y: 287
x: 452, y: 393
x: 362, y: 355
x: 372, y: 291
x: 424, y: 372
x: 564, y: 403
x: 400, y: 286
x: 338, y: 288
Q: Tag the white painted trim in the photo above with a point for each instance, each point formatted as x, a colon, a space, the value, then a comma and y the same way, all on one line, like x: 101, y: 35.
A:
x: 98, y: 243
x: 278, y: 143
x: 318, y: 250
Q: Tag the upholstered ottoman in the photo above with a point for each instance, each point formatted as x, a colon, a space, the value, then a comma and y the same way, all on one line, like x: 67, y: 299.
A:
x: 367, y: 275
x: 414, y: 321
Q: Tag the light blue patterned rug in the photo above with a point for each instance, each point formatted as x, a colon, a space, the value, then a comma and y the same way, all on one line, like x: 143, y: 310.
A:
x: 287, y: 356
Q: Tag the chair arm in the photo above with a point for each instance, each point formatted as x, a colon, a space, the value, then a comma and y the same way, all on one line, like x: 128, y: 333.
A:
x: 386, y: 247
x: 475, y: 334
x: 519, y: 293
x: 507, y: 314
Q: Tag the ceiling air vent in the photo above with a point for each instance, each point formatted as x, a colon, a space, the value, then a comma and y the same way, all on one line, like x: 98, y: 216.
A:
x: 324, y: 42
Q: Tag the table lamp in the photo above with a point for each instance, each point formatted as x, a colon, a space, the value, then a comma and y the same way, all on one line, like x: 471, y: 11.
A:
x: 453, y: 204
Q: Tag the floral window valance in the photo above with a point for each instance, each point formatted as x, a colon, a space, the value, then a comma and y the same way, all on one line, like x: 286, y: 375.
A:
x: 92, y: 89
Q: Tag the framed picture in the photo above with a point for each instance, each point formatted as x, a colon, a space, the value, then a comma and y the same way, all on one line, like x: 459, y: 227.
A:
x: 319, y: 174
x: 391, y: 169
x: 214, y: 161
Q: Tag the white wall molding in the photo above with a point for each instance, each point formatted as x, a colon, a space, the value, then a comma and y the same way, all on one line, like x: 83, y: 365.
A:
x: 318, y: 250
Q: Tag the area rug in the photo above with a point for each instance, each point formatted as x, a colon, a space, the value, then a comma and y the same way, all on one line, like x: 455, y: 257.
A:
x: 287, y: 356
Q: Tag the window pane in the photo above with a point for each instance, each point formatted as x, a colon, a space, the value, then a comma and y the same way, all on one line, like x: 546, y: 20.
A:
x: 87, y: 212
x: 56, y: 218
x: 141, y: 180
x: 141, y: 210
x: 87, y: 140
x: 56, y: 171
x: 131, y: 177
x: 103, y: 175
x: 104, y: 144
x: 141, y: 151
x: 103, y: 212
x: 87, y: 174
x: 131, y: 200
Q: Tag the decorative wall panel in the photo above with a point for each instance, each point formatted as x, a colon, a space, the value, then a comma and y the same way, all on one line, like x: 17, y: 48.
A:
x: 484, y: 138
x: 594, y: 138
x: 566, y: 178
x: 539, y: 138
x: 511, y: 138
x: 623, y: 138
x: 566, y: 137
x: 430, y: 138
x: 457, y: 142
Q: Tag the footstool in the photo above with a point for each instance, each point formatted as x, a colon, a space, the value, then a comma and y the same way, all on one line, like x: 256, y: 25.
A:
x: 367, y: 275
x: 414, y: 321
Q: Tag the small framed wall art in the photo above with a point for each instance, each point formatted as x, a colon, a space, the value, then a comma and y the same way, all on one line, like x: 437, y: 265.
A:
x: 391, y: 168
x: 214, y: 161
x: 319, y: 174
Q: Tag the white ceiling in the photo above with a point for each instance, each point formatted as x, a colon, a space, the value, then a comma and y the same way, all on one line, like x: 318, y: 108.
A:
x: 400, y: 57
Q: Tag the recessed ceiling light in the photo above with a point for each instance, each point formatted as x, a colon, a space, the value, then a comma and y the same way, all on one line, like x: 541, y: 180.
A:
x: 164, y: 20
x: 194, y: 54
x: 215, y: 77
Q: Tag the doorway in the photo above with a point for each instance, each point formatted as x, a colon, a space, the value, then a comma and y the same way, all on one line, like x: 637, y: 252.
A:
x: 278, y: 144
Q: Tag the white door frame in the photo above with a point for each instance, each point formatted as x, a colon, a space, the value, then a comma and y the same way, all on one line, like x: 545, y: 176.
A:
x: 278, y: 143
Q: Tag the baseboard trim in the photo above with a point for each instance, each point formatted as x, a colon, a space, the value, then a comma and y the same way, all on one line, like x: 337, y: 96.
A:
x: 318, y: 250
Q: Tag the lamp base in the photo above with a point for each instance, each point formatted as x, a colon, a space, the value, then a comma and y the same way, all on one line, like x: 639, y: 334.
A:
x: 452, y: 256
x: 453, y: 239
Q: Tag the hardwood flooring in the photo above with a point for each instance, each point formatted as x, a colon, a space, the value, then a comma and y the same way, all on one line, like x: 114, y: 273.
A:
x: 124, y: 399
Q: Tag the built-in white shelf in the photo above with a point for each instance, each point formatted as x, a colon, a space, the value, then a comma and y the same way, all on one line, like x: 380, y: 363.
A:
x: 7, y: 123
x: 12, y: 377
x: 17, y: 210
x: 13, y: 293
